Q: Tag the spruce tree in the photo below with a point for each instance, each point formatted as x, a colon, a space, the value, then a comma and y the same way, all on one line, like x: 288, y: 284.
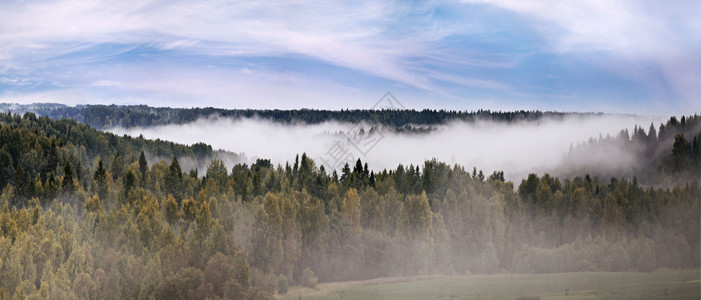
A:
x: 143, y: 167
x: 67, y: 181
x: 100, y: 180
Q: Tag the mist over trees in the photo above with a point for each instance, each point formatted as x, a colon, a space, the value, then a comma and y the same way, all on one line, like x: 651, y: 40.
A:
x: 667, y: 155
x: 88, y: 214
x: 40, y: 146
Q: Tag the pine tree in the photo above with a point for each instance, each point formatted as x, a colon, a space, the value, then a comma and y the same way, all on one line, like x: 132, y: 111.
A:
x: 174, y: 179
x: 295, y: 169
x: 6, y: 170
x: 345, y: 174
x: 681, y: 152
x: 67, y: 181
x: 52, y: 159
x: 100, y: 180
x: 20, y: 184
x: 256, y: 184
x: 129, y: 182
x: 652, y: 133
x: 143, y: 167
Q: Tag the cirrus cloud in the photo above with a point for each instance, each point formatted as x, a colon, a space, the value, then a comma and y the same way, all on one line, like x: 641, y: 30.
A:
x: 618, y: 56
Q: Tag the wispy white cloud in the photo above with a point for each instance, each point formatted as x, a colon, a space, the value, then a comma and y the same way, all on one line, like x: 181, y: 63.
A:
x: 643, y: 40
x: 183, y: 86
x: 629, y: 27
x: 158, y: 50
x: 352, y: 35
x: 471, y: 82
x: 179, y: 44
x: 21, y: 81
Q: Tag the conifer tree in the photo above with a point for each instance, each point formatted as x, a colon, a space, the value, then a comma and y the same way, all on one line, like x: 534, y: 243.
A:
x: 67, y: 181
x: 143, y: 167
x: 100, y: 180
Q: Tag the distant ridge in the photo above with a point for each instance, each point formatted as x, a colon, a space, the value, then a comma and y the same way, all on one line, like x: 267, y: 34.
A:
x: 127, y: 116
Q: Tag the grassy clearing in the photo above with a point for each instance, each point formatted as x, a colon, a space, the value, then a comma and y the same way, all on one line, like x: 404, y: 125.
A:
x: 669, y: 284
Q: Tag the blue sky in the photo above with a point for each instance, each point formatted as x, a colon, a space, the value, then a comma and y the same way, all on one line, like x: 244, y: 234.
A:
x: 623, y: 56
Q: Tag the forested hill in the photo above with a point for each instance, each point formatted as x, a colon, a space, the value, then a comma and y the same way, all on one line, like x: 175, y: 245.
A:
x: 85, y: 215
x: 106, y: 116
x: 39, y: 148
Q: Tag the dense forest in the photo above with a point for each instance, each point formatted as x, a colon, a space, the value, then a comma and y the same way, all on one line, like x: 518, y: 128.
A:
x: 87, y: 214
x: 107, y: 116
x: 40, y: 147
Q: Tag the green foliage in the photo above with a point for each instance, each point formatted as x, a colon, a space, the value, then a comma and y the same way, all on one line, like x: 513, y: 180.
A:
x: 129, y: 182
x: 67, y: 180
x: 100, y: 180
x: 173, y: 179
x: 147, y: 231
x: 143, y: 165
x: 32, y: 148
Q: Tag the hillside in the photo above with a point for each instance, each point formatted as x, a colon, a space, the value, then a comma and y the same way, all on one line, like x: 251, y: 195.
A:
x: 39, y: 148
x: 85, y: 215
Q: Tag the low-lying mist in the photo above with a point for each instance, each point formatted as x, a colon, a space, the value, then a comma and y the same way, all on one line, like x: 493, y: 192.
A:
x: 516, y: 148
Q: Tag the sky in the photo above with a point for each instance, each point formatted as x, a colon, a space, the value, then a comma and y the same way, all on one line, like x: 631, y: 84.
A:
x: 641, y: 57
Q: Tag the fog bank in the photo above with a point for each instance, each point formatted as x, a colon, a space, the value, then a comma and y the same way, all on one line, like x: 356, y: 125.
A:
x: 516, y: 148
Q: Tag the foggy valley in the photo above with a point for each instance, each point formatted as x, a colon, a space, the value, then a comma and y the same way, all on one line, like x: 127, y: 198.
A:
x: 258, y: 214
x: 336, y: 150
x: 515, y: 148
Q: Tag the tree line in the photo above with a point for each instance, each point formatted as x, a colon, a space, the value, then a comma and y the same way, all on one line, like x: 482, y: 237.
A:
x: 107, y: 116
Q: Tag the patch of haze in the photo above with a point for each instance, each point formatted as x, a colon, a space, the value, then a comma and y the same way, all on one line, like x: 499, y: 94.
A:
x: 251, y: 137
x: 517, y: 148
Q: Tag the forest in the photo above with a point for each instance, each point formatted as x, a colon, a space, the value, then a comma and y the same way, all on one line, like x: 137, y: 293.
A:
x: 664, y: 156
x: 91, y: 215
x: 127, y: 116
